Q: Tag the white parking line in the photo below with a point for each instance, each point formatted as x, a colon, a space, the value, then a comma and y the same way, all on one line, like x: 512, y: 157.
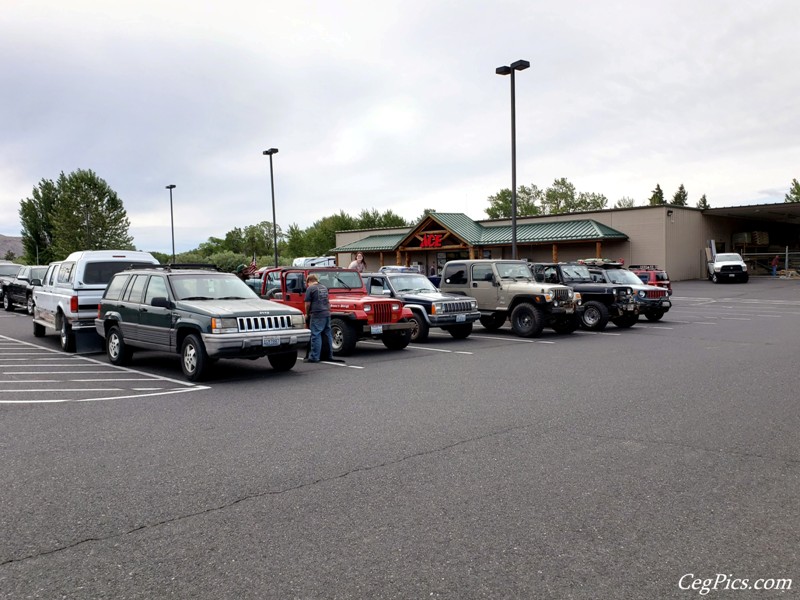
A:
x: 512, y: 339
x: 50, y: 372
x: 59, y: 390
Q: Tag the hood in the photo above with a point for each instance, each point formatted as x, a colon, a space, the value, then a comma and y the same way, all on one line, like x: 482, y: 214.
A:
x: 429, y: 296
x: 528, y: 286
x: 248, y: 307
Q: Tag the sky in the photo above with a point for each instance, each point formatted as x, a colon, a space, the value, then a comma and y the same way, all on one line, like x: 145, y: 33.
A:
x: 392, y: 105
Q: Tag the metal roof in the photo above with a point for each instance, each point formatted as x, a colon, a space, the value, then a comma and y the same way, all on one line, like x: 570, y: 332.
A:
x: 476, y: 234
x: 373, y: 243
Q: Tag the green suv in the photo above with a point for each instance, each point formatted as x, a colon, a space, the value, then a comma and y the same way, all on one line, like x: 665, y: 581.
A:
x: 201, y: 314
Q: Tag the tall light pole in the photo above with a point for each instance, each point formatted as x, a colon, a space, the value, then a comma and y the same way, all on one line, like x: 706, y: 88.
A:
x: 269, y: 153
x: 171, y: 187
x: 519, y: 65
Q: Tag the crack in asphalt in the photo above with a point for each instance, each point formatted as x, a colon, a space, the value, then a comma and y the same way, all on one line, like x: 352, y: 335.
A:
x: 389, y: 463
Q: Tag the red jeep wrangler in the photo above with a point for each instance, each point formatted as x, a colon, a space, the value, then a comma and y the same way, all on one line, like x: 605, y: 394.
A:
x: 355, y: 314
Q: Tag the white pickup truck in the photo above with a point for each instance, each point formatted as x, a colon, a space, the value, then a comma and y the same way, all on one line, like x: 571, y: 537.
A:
x: 727, y: 266
x: 67, y: 299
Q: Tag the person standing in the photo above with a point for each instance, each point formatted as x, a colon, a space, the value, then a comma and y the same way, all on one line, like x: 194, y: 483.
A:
x: 318, y: 317
x: 774, y: 264
x: 359, y: 264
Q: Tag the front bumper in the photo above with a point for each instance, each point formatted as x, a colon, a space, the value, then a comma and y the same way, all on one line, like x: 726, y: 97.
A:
x: 447, y: 319
x: 231, y: 345
x: 648, y: 305
x: 384, y: 327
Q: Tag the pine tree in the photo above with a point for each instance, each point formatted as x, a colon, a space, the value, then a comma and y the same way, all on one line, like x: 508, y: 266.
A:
x: 794, y: 192
x: 703, y: 203
x: 681, y: 197
x: 657, y: 199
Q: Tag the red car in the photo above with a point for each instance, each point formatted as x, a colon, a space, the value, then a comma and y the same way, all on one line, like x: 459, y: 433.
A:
x: 652, y: 275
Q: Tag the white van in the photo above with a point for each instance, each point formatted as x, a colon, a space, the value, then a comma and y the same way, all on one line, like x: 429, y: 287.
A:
x: 71, y: 289
x: 314, y: 261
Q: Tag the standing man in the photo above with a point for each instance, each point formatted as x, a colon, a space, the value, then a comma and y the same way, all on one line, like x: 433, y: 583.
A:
x: 318, y: 317
x: 774, y: 264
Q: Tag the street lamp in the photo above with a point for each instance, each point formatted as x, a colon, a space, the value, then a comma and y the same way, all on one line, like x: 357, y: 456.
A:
x: 269, y: 153
x: 519, y: 65
x: 171, y: 187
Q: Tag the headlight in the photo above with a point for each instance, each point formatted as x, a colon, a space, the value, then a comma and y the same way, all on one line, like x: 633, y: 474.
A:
x: 368, y: 308
x: 745, y: 268
x: 474, y: 305
x: 396, y: 307
x: 298, y: 321
x: 224, y: 325
x: 642, y: 293
x: 577, y: 296
x: 548, y: 296
x: 436, y: 307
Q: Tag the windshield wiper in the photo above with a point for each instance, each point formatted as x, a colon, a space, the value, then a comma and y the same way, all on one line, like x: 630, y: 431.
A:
x: 232, y: 298
x: 196, y: 298
x: 339, y: 279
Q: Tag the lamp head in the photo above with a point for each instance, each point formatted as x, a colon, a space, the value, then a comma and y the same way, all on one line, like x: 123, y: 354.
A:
x: 171, y: 186
x: 503, y: 70
x: 270, y: 152
x: 520, y: 65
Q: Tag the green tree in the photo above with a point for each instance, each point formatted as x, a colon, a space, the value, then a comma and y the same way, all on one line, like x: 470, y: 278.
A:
x: 559, y: 198
x: 625, y: 202
x: 88, y: 215
x: 590, y: 201
x: 794, y: 192
x: 527, y: 197
x: 321, y: 236
x: 424, y: 214
x: 681, y: 197
x: 372, y: 219
x: 703, y: 202
x: 10, y: 256
x: 213, y: 245
x: 37, y: 226
x: 295, y: 242
x: 657, y: 198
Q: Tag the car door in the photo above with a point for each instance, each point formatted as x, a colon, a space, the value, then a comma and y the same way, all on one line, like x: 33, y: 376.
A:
x: 129, y: 307
x: 19, y: 286
x: 155, y: 322
x: 482, y: 285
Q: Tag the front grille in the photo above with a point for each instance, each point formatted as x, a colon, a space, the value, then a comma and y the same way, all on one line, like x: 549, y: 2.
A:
x: 656, y: 293
x: 457, y: 306
x: 731, y: 269
x: 264, y: 323
x: 382, y: 312
x: 561, y: 295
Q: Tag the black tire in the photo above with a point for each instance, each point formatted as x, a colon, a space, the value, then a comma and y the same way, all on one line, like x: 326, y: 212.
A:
x: 654, y: 315
x: 746, y: 278
x: 421, y: 328
x: 116, y: 349
x: 396, y: 340
x: 595, y: 316
x: 566, y: 326
x: 194, y: 359
x: 460, y: 332
x: 38, y: 330
x: 493, y: 321
x: 283, y: 361
x: 67, y: 337
x: 29, y: 305
x: 527, y: 320
x: 714, y: 278
x: 625, y: 321
x: 344, y: 337
x: 7, y: 304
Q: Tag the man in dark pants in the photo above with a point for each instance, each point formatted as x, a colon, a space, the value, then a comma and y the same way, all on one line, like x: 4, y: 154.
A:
x: 318, y: 317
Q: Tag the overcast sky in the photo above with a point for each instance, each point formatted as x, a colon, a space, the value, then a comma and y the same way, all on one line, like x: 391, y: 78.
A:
x: 391, y: 104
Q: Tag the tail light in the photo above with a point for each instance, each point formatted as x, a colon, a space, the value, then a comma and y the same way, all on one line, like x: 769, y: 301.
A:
x: 73, y: 304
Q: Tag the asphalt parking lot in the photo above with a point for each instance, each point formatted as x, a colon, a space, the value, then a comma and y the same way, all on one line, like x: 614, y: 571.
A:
x: 622, y: 464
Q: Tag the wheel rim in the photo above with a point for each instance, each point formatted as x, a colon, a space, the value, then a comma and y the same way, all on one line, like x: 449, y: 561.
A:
x: 415, y: 329
x: 338, y: 338
x: 190, y: 358
x: 30, y: 305
x: 591, y: 316
x: 63, y: 333
x: 113, y: 346
x: 6, y: 301
x: 524, y: 321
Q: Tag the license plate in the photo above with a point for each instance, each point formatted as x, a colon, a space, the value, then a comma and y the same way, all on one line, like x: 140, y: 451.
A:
x: 631, y: 307
x: 376, y: 329
x: 666, y: 303
x: 461, y: 318
x: 270, y: 341
x: 731, y: 275
x: 570, y: 310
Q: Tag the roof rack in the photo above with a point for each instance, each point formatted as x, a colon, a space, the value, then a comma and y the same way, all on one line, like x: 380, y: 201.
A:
x: 180, y: 266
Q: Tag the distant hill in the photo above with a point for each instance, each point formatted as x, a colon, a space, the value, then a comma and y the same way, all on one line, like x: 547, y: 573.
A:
x: 11, y: 244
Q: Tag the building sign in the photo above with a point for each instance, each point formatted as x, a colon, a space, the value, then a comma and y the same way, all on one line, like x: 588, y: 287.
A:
x: 431, y: 240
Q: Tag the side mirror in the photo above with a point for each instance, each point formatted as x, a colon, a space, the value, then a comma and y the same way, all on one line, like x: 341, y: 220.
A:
x: 387, y: 293
x: 161, y: 302
x: 36, y: 282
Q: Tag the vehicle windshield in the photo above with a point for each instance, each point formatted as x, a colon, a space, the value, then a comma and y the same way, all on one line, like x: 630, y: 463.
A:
x: 622, y: 276
x: 342, y: 280
x: 729, y: 257
x: 38, y: 272
x: 575, y: 273
x: 514, y: 271
x: 211, y: 286
x: 413, y: 283
x: 9, y: 269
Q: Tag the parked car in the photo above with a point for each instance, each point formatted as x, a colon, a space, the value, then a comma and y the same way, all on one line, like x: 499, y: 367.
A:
x: 430, y: 307
x: 601, y: 301
x: 355, y: 314
x: 728, y: 266
x: 67, y: 300
x: 652, y: 275
x: 653, y: 301
x: 506, y: 290
x: 201, y: 314
x: 19, y: 291
x: 8, y: 271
